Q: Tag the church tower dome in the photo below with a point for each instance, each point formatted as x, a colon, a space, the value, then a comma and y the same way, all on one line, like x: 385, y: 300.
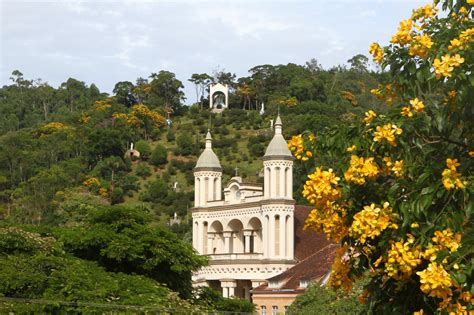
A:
x: 278, y: 166
x: 207, y: 176
x: 278, y: 146
x: 208, y: 159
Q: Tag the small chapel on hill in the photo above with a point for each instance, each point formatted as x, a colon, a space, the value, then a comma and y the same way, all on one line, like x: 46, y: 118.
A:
x: 252, y: 234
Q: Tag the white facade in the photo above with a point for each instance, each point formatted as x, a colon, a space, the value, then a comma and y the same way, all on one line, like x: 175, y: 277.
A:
x: 248, y: 234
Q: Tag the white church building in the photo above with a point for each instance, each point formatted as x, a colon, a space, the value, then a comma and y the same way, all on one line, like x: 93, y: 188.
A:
x: 247, y: 234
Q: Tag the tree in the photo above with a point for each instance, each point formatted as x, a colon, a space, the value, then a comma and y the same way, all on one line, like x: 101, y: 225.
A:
x: 49, y: 274
x: 359, y: 63
x: 201, y: 83
x: 159, y: 155
x: 166, y: 90
x: 119, y: 239
x: 396, y: 189
x: 124, y: 92
x: 144, y: 148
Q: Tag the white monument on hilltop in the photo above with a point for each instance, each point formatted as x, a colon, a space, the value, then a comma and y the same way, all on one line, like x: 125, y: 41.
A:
x: 248, y: 234
x: 218, y: 97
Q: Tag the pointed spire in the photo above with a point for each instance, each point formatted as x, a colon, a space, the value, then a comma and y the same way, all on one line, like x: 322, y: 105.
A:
x: 208, y: 140
x: 278, y: 125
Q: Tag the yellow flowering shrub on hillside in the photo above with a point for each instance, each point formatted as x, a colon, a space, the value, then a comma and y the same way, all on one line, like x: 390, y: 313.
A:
x: 396, y: 189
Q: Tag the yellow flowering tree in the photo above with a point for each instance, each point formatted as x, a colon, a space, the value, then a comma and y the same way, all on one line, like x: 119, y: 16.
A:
x: 397, y: 189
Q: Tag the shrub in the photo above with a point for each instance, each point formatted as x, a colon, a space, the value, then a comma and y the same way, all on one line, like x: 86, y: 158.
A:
x: 144, y: 148
x: 159, y: 155
x: 143, y: 170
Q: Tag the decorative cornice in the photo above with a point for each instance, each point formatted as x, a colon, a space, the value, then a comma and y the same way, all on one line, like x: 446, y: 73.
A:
x: 278, y: 157
x: 245, y: 205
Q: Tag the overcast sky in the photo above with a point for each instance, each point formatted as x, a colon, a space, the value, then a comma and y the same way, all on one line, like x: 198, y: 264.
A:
x: 103, y: 42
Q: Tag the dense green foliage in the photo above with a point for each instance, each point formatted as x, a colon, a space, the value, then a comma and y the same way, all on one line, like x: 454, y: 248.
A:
x: 323, y: 300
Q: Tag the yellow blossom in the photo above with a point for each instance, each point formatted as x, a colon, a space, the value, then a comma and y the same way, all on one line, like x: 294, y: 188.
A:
x: 397, y: 168
x: 91, y: 181
x: 322, y: 186
x: 361, y: 169
x: 417, y: 105
x: 451, y: 177
x: 352, y: 148
x: 371, y: 222
x: 447, y: 239
x: 296, y: 146
x: 414, y: 225
x: 328, y: 219
x: 387, y: 132
x: 403, y: 36
x: 420, y: 46
x: 402, y: 259
x: 435, y: 281
x: 377, y: 52
x: 369, y: 116
x: 445, y: 66
x: 406, y: 112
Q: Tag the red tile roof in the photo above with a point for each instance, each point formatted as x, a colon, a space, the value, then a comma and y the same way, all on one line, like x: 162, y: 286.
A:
x: 314, y: 253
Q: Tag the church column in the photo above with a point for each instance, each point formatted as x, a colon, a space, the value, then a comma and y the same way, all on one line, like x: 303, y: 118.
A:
x: 218, y: 188
x: 195, y: 237
x: 271, y: 240
x: 225, y: 292
x: 199, y: 245
x: 290, y: 238
x: 266, y: 182
x: 289, y: 183
x: 202, y: 190
x: 282, y: 192
x: 210, y: 192
x: 232, y: 286
x: 247, y: 235
x: 265, y: 231
x: 273, y: 182
x: 227, y: 236
x: 196, y: 192
x: 210, y: 243
x: 282, y: 236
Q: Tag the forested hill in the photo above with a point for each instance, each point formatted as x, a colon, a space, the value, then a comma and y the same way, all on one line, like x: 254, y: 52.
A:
x: 85, y: 221
x: 62, y: 147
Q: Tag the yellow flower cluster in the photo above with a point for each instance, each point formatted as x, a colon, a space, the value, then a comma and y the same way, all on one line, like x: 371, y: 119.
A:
x: 445, y: 66
x: 91, y: 181
x: 436, y: 282
x: 330, y: 220
x: 396, y: 167
x: 296, y: 145
x: 447, y: 239
x: 54, y: 125
x: 51, y: 128
x: 377, y: 52
x: 464, y: 39
x: 387, y: 132
x: 102, y: 105
x: 371, y: 222
x: 340, y: 271
x: 103, y: 192
x: 369, y: 116
x: 402, y: 258
x: 423, y: 13
x: 321, y: 187
x: 416, y: 105
x: 350, y: 97
x: 143, y: 111
x: 451, y: 177
x: 420, y: 46
x: 85, y: 118
x: 361, y: 169
x: 403, y: 36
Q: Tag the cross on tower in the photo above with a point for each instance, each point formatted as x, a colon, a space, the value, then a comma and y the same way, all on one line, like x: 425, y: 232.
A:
x: 236, y: 171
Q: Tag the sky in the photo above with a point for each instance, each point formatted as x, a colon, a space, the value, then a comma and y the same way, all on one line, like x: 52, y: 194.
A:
x: 107, y: 41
